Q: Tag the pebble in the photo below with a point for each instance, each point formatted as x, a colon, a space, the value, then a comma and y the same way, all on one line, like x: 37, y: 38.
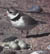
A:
x: 48, y: 47
x: 35, y: 9
x: 38, y: 52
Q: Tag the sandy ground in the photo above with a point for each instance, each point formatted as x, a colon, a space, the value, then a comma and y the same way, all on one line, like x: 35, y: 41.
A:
x: 39, y: 37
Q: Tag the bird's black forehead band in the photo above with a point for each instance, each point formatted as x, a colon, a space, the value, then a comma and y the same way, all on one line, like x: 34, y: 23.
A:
x: 16, y: 18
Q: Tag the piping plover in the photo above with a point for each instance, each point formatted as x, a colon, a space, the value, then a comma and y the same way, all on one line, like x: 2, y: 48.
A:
x: 21, y: 20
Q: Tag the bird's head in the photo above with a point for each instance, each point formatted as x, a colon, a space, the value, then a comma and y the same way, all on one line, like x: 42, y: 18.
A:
x: 11, y: 12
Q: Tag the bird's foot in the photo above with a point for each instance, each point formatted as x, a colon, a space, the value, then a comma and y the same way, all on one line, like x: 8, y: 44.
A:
x: 24, y: 34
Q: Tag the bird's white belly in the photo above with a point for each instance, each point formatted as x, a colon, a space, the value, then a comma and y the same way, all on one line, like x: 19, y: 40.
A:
x: 18, y: 23
x: 21, y: 25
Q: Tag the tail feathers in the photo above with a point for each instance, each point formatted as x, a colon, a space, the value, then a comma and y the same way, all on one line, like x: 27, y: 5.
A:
x: 42, y: 22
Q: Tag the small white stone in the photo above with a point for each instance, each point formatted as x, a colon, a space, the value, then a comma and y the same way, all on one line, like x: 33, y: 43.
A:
x: 48, y: 47
x: 34, y: 53
x: 38, y: 52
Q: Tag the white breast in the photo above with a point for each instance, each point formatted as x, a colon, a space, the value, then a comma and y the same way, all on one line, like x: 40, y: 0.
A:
x: 19, y: 22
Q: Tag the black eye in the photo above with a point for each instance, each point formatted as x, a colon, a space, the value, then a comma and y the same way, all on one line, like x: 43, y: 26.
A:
x: 10, y: 12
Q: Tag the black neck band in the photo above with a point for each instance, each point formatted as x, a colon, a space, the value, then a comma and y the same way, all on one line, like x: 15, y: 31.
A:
x: 16, y: 18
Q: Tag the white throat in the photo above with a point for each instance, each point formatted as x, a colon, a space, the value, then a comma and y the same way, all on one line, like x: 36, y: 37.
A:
x: 12, y: 16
